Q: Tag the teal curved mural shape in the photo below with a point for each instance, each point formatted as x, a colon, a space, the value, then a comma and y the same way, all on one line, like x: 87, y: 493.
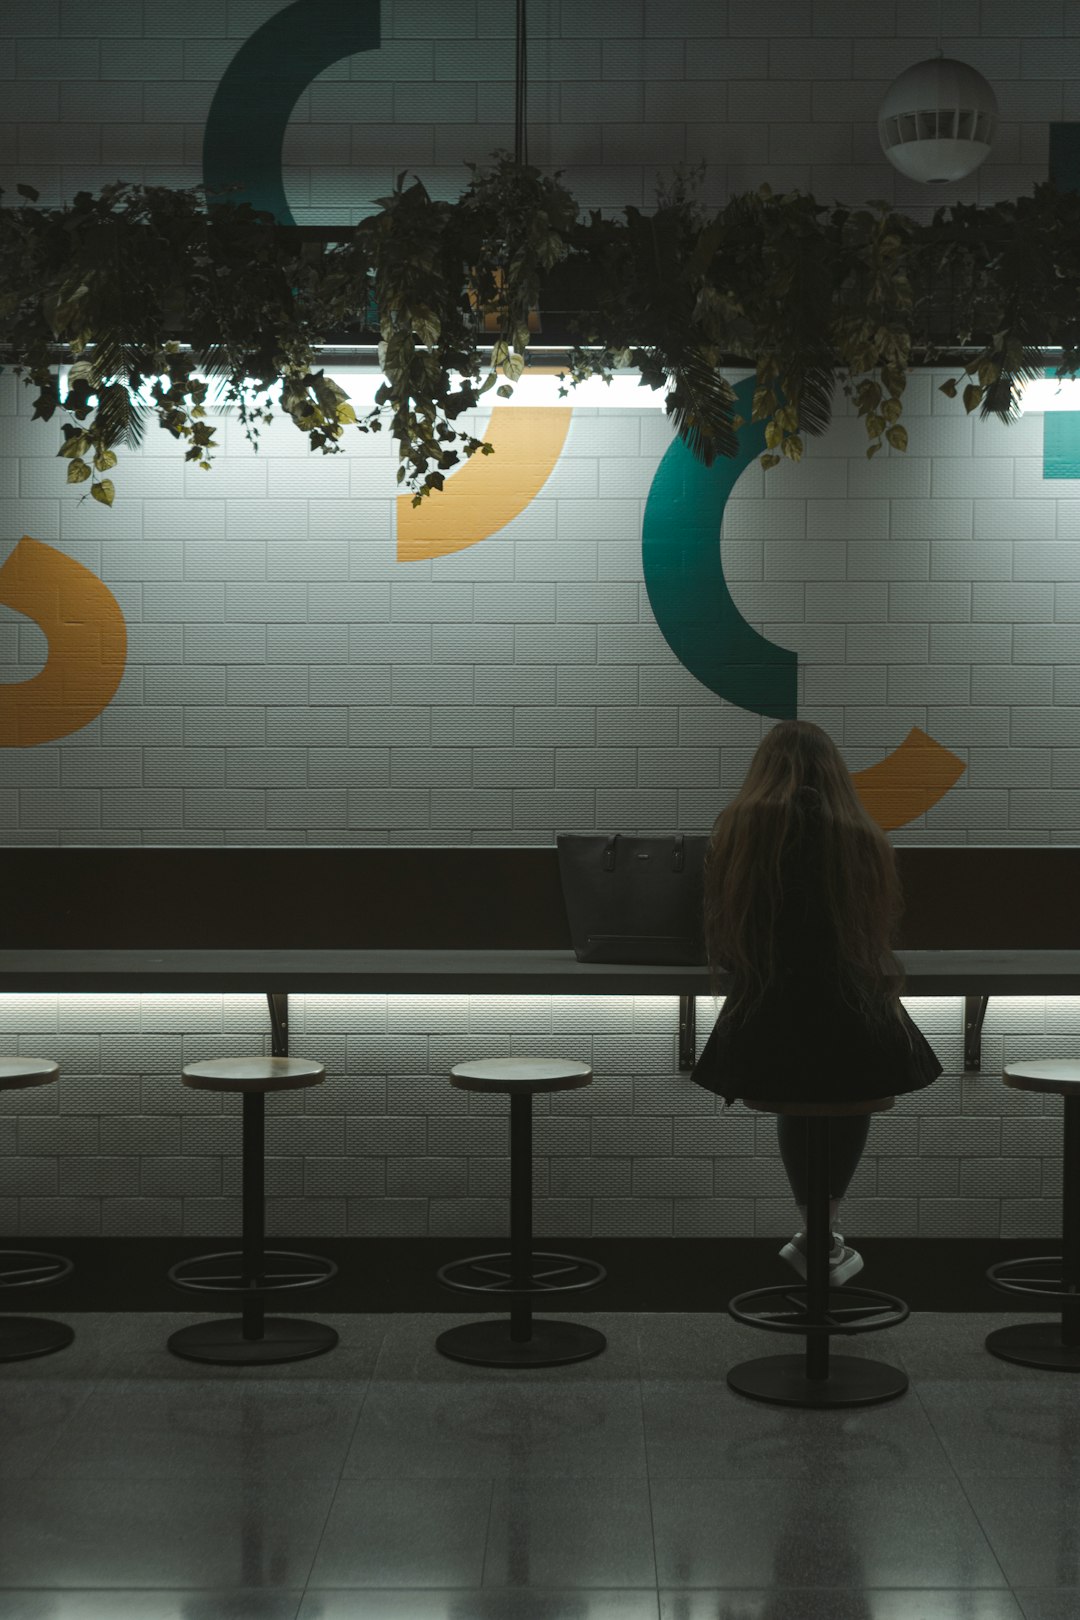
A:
x: 684, y: 576
x: 250, y: 112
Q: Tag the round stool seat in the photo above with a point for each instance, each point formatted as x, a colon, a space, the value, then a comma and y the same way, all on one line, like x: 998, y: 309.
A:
x: 1061, y: 1075
x: 253, y: 1074
x: 521, y: 1272
x: 253, y: 1273
x: 520, y: 1075
x: 16, y: 1072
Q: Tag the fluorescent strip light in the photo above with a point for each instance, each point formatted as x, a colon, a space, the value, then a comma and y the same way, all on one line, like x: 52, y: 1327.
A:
x: 534, y: 388
x: 623, y: 392
x: 1050, y: 394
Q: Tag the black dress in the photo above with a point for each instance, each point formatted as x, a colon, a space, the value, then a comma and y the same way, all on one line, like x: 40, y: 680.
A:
x: 803, y: 1042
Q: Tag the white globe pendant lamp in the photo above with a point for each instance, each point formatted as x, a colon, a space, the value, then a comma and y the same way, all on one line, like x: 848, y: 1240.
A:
x: 936, y: 121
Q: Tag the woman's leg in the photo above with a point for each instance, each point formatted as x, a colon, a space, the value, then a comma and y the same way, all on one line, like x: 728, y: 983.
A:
x: 847, y: 1139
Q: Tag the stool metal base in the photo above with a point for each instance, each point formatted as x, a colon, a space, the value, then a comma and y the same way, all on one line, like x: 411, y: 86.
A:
x: 224, y: 1273
x: 1034, y: 1344
x: 220, y: 1341
x: 32, y: 1268
x: 494, y: 1273
x: 817, y: 1312
x: 852, y: 1381
x: 24, y: 1337
x: 844, y: 1310
x: 1039, y: 1276
x: 488, y: 1344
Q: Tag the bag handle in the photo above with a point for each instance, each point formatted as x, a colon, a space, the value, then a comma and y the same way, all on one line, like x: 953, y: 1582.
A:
x: 678, y: 853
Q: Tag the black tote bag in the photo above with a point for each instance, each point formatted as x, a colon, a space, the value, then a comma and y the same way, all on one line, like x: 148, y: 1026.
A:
x: 634, y: 898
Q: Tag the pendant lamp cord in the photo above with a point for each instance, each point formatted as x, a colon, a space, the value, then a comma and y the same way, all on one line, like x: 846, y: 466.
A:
x: 521, y: 145
x: 940, y: 4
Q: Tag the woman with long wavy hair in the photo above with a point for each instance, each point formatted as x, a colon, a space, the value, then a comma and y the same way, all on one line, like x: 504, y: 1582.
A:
x: 801, y: 901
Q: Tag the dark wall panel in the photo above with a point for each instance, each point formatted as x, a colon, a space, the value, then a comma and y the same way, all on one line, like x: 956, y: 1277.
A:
x: 444, y: 898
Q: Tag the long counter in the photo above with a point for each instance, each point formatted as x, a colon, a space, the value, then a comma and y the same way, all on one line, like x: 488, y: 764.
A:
x: 500, y: 972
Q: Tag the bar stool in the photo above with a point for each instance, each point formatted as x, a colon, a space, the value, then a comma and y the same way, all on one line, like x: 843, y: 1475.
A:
x: 23, y: 1337
x: 1053, y: 1345
x: 521, y: 1341
x: 253, y: 1337
x: 812, y: 1379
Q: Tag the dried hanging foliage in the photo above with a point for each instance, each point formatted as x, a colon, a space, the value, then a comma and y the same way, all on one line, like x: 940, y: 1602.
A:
x: 157, y: 304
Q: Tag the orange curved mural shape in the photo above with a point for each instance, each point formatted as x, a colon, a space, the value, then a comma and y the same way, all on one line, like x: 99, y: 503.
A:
x: 908, y: 781
x: 489, y: 490
x: 87, y: 640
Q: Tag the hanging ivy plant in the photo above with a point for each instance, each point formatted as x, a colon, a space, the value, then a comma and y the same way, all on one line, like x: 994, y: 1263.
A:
x: 159, y: 306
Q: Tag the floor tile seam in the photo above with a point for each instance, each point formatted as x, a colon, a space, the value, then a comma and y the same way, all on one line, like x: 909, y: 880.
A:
x: 487, y: 1532
x: 360, y: 1408
x: 385, y: 1479
x: 971, y: 1506
x: 452, y: 1586
x: 645, y: 1450
x: 945, y: 1452
x: 378, y: 1357
x: 1027, y: 1477
x: 512, y: 1476
x: 652, y: 1533
x: 790, y: 1479
x: 91, y: 1586
x: 196, y: 1476
x: 645, y: 1380
x: 659, y: 1593
x: 322, y: 1538
x: 561, y: 1586
x: 807, y: 1586
x: 784, y: 1586
x: 36, y: 1472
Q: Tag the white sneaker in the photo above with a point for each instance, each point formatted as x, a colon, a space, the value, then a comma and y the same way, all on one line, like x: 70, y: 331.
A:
x: 844, y: 1261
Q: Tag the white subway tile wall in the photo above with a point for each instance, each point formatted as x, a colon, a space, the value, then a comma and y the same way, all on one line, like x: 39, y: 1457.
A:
x: 290, y: 681
x: 388, y: 1147
x: 286, y: 687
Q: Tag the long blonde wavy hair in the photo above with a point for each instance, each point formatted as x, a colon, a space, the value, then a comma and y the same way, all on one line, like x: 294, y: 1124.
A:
x: 798, y: 802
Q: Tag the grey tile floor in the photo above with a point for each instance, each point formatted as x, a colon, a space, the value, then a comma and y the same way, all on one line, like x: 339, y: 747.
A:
x: 382, y: 1482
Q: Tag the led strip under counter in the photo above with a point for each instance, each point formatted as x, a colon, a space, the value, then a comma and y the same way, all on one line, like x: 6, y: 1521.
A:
x: 975, y: 975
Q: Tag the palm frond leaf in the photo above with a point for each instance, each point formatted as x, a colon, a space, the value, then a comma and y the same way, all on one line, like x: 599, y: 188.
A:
x: 1002, y: 398
x: 122, y: 414
x: 815, y: 400
x: 114, y: 371
x: 701, y: 406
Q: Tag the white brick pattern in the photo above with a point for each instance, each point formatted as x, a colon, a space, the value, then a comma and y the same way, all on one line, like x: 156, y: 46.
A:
x: 387, y: 1146
x: 289, y: 681
x: 936, y: 588
x: 300, y: 689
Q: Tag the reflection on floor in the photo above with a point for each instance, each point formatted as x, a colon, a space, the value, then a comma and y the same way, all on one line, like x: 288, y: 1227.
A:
x: 382, y: 1482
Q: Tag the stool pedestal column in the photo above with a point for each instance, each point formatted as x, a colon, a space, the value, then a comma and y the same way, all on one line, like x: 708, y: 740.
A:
x: 253, y: 1272
x: 253, y: 1215
x: 1070, y: 1227
x: 518, y: 1275
x: 816, y: 1378
x: 521, y: 1217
